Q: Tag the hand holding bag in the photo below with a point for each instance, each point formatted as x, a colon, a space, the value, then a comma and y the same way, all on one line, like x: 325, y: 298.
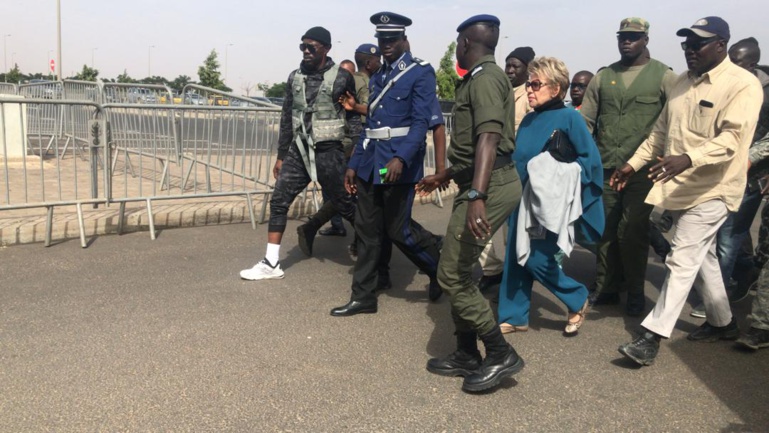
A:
x: 560, y: 147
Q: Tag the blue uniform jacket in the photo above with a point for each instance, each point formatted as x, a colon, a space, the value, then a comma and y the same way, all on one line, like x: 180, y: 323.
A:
x: 410, y: 102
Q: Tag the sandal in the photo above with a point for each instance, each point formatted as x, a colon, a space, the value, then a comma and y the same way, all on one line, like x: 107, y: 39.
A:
x: 573, y: 327
x: 507, y: 328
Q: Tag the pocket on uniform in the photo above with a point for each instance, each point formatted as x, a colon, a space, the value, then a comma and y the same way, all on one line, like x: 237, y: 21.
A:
x: 396, y: 102
x: 701, y: 121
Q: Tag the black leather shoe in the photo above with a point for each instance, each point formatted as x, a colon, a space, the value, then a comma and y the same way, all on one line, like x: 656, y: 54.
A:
x: 459, y: 363
x: 490, y: 373
x: 636, y: 302
x: 354, y: 307
x: 333, y: 231
x: 708, y: 333
x: 434, y: 290
x: 643, y: 349
x: 306, y: 234
x: 487, y: 282
x: 598, y: 298
x: 383, y: 282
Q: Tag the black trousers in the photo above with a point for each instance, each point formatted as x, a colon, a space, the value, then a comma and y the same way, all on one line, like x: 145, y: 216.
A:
x: 387, y: 209
x: 293, y: 179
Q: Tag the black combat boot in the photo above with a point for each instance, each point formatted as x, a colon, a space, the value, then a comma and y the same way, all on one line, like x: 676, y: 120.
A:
x: 501, y: 361
x: 306, y: 233
x: 463, y: 362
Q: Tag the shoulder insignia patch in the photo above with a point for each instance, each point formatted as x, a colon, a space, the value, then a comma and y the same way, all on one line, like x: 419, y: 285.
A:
x: 421, y: 62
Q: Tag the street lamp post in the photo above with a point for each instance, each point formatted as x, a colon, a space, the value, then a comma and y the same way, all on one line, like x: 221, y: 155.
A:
x: 226, y: 47
x: 92, y: 50
x: 58, y: 48
x: 149, y: 60
x: 5, y: 56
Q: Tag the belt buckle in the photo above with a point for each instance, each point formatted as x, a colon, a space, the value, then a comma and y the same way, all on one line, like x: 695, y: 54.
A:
x: 388, y: 129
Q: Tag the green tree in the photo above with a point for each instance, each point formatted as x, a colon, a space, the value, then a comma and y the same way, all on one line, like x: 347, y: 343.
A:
x: 87, y: 74
x: 125, y: 78
x: 179, y: 82
x: 14, y: 75
x: 155, y: 79
x: 209, y: 73
x: 446, y: 75
x: 277, y: 90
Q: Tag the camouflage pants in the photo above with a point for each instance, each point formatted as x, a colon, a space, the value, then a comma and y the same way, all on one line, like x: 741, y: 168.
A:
x: 759, y: 315
x: 293, y: 179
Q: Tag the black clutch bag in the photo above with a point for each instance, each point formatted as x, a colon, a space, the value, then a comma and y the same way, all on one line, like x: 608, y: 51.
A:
x: 560, y: 147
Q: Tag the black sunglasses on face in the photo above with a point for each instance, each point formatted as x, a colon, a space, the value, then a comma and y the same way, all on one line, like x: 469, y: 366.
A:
x: 312, y: 49
x: 630, y: 36
x: 582, y: 86
x: 698, y: 44
x: 535, y: 85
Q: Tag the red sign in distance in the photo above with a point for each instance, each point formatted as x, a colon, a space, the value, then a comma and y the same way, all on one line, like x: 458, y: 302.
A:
x: 53, y: 66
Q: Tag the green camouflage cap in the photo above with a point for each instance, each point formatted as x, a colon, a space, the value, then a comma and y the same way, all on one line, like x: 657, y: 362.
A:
x: 634, y: 24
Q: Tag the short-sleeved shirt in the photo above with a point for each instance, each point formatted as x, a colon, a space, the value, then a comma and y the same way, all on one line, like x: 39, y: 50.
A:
x: 484, y: 103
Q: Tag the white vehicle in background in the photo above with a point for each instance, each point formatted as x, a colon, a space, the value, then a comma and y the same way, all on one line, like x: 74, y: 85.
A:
x: 194, y: 99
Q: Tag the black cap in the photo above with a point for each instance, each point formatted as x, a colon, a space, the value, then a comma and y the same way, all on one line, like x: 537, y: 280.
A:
x: 524, y: 54
x: 707, y: 28
x: 389, y: 24
x: 318, y: 34
x: 484, y: 18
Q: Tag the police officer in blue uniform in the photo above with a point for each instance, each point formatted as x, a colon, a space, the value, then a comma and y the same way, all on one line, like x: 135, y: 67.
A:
x: 388, y: 161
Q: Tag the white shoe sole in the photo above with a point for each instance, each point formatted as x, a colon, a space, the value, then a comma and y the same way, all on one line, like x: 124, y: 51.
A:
x: 262, y: 277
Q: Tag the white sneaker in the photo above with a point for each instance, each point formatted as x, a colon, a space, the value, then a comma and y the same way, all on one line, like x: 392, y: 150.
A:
x: 263, y: 271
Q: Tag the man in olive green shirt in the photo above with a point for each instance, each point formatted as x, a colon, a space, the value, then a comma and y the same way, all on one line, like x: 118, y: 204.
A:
x: 620, y: 106
x: 489, y: 190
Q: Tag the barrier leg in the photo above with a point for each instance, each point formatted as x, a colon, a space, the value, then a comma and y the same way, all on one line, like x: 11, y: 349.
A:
x: 81, y: 223
x: 250, y: 203
x: 264, y: 208
x: 49, y: 226
x: 121, y: 218
x: 151, y: 218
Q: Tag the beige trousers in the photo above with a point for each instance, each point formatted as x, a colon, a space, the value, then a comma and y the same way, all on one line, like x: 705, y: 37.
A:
x: 693, y: 257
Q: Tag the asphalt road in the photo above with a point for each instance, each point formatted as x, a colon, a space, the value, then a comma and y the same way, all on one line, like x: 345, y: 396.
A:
x: 139, y: 335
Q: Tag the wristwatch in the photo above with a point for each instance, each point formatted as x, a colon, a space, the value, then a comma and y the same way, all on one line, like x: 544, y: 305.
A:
x: 474, y: 194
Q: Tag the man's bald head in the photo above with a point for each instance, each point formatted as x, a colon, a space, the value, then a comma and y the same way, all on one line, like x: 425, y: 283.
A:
x: 745, y: 54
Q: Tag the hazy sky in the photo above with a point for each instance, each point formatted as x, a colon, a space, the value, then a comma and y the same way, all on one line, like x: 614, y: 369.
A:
x: 265, y: 34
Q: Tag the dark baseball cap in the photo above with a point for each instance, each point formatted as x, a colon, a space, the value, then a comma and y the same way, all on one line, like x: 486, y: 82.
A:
x: 707, y: 28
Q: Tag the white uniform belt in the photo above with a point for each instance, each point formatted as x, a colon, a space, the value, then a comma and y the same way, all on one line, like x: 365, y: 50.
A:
x: 386, y: 133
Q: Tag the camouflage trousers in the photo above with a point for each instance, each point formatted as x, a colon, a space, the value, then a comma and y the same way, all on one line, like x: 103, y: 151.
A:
x: 293, y: 179
x: 759, y: 315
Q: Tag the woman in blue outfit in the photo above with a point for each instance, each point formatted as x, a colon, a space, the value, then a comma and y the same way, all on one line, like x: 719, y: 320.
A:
x: 546, y: 88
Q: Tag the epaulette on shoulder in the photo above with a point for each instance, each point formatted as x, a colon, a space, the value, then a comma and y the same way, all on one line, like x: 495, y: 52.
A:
x: 476, y: 71
x: 421, y: 62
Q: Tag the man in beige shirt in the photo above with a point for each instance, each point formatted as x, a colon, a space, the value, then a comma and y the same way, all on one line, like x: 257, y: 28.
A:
x: 701, y: 141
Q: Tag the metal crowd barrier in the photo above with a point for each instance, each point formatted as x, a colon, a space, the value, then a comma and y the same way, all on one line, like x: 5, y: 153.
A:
x: 111, y: 146
x: 8, y: 89
x: 35, y: 168
x: 163, y: 152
